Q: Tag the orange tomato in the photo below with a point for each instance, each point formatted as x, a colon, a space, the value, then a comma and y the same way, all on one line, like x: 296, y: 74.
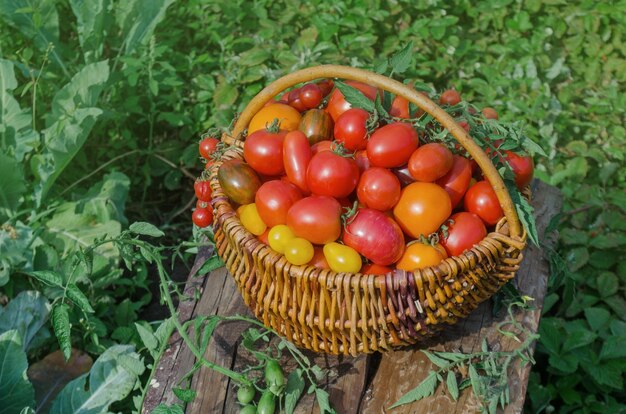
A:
x: 419, y: 255
x: 319, y: 260
x: 288, y: 117
x: 422, y: 208
x: 375, y: 269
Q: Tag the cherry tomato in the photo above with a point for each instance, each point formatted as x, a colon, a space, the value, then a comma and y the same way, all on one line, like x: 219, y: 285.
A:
x: 208, y: 164
x: 279, y: 237
x: 392, y: 145
x: 481, y: 200
x: 295, y: 101
x: 263, y: 150
x: 375, y: 269
x: 330, y: 174
x: 322, y: 146
x: 251, y: 220
x: 203, y: 191
x: 464, y: 125
x: 202, y: 217
x: 456, y: 181
x: 466, y: 230
x: 296, y: 157
x: 523, y: 167
x: 430, y: 162
x: 288, y: 117
x: 318, y: 259
x: 489, y: 113
x: 342, y: 258
x: 274, y: 199
x: 350, y: 129
x: 337, y: 103
x: 299, y: 251
x: 378, y: 188
x: 311, y: 95
x: 418, y: 256
x: 450, y: 97
x: 361, y: 160
x: 422, y: 208
x: 245, y: 394
x: 326, y: 86
x: 375, y: 236
x: 207, y: 147
x: 317, y: 125
x: 238, y: 181
x: 316, y: 218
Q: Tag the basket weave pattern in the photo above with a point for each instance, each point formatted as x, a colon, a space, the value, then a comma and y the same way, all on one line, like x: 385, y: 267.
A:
x: 344, y: 313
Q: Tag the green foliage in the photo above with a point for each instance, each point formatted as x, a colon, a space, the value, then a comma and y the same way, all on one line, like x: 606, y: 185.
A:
x: 16, y: 392
x: 27, y: 313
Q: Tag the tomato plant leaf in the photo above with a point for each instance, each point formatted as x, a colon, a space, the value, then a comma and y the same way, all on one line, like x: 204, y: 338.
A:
x: 145, y: 229
x: 212, y: 263
x: 525, y: 212
x: 184, y: 394
x: 148, y: 339
x: 294, y: 389
x: 441, y: 363
x: 323, y: 401
x: 78, y: 297
x: 168, y: 409
x: 355, y: 97
x: 48, y: 277
x: 424, y: 389
x: 401, y: 61
x: 452, y: 385
x: 61, y: 325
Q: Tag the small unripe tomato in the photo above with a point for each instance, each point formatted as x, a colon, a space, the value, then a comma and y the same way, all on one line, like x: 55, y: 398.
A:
x: 274, y: 377
x: 299, y: 251
x: 245, y: 394
x: 279, y: 237
x: 250, y: 219
x: 342, y: 258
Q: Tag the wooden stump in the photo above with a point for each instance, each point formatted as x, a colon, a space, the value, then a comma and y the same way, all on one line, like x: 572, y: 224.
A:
x: 365, y: 384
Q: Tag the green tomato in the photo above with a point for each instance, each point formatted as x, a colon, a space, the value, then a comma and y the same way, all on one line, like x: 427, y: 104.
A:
x: 249, y: 216
x: 245, y: 394
x: 279, y: 237
x: 248, y: 409
x: 267, y: 403
x: 299, y: 251
x: 342, y: 258
x: 274, y: 377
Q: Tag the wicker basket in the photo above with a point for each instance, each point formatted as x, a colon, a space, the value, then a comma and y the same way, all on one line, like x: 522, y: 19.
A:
x: 344, y: 313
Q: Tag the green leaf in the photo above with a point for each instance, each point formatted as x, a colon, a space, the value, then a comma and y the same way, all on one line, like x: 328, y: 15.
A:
x: 605, y: 374
x: 16, y: 392
x: 440, y: 362
x: 27, y: 313
x: 168, y: 409
x: 323, y: 401
x: 48, y: 277
x: 148, y: 339
x: 61, y: 325
x: 185, y: 395
x: 78, y: 297
x: 212, y: 263
x: 597, y: 317
x: 613, y: 348
x: 355, y: 97
x: 401, y: 61
x: 293, y: 390
x: 608, y: 284
x: 424, y: 389
x: 138, y: 19
x: 146, y: 229
x: 164, y: 331
x: 525, y: 212
x: 12, y: 186
x: 578, y: 338
x: 91, y: 16
x: 107, y: 382
x: 453, y: 387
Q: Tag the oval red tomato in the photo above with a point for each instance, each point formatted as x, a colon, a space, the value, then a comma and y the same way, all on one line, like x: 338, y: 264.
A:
x: 331, y: 174
x: 375, y: 236
x: 379, y: 189
x: 350, y: 129
x: 523, y: 167
x: 457, y: 180
x: 375, y: 269
x: 263, y: 150
x: 400, y: 108
x: 274, y: 199
x: 466, y: 230
x: 203, y: 191
x: 392, y: 145
x: 482, y: 200
x: 296, y: 157
x: 361, y: 160
x: 337, y: 103
x: 316, y: 218
x: 430, y: 162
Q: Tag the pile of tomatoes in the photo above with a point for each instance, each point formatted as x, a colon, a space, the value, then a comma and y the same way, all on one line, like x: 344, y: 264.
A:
x: 335, y: 186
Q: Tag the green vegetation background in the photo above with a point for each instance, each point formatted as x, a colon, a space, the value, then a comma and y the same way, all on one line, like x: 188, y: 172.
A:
x: 101, y: 130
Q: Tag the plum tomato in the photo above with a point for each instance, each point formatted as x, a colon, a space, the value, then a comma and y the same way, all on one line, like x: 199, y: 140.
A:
x: 207, y: 147
x: 450, y: 97
x: 202, y: 217
x: 263, y: 150
x: 375, y: 236
x: 203, y: 191
x: 274, y: 199
x: 422, y: 209
x: 342, y: 258
x: 482, y: 200
x: 466, y: 230
x: 351, y: 129
x: 311, y: 95
x: 392, y: 145
x: 330, y: 174
x: 400, y: 107
x: 316, y: 218
x: 430, y: 162
x: 299, y: 251
x: 317, y: 125
x: 522, y: 166
x: 296, y: 157
x: 288, y: 118
x: 239, y: 181
x: 251, y: 220
x: 457, y: 180
x: 378, y: 188
x: 337, y: 103
x: 279, y: 237
x: 375, y: 269
x: 419, y: 255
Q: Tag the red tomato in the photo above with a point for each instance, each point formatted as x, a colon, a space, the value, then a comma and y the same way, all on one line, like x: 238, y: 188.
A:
x: 466, y: 231
x: 379, y: 189
x: 263, y: 150
x: 457, y: 180
x: 392, y: 145
x: 464, y: 125
x: 375, y: 236
x: 274, y: 199
x: 361, y: 160
x: 400, y: 108
x: 430, y: 162
x: 263, y: 237
x: 350, y: 129
x: 322, y: 146
x: 403, y: 175
x: 523, y: 167
x: 326, y: 86
x: 296, y: 157
x: 202, y: 217
x: 295, y: 101
x: 311, y: 95
x: 489, y: 113
x: 332, y: 175
x: 450, y: 97
x: 316, y: 218
x: 337, y: 104
x: 203, y: 190
x: 319, y: 260
x: 207, y: 147
x: 422, y: 208
x: 482, y: 200
x: 375, y: 269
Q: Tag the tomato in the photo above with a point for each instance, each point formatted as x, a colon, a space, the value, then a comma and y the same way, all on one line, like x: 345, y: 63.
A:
x: 322, y: 146
x: 238, y: 181
x: 490, y: 113
x: 392, y: 145
x: 263, y: 150
x: 207, y: 147
x: 457, y: 180
x: 337, y: 103
x: 267, y: 403
x: 299, y: 251
x: 403, y: 175
x: 274, y: 377
x: 245, y: 394
x: 375, y: 236
x: 273, y: 199
x: 375, y: 269
x: 350, y: 129
x: 418, y: 256
x: 208, y: 164
x: 361, y: 160
x: 330, y: 174
x: 378, y: 188
x: 296, y: 157
x: 318, y: 259
x: 263, y: 237
x: 311, y: 95
x: 400, y: 108
x: 326, y: 86
x: 523, y: 167
x: 203, y: 191
x: 251, y: 220
x: 295, y: 101
x: 288, y: 117
x: 248, y: 409
x: 422, y: 208
x: 481, y: 200
x: 430, y: 162
x: 316, y: 218
x: 317, y: 125
x: 279, y: 237
x: 450, y: 97
x: 342, y: 258
x: 466, y: 230
x: 202, y: 217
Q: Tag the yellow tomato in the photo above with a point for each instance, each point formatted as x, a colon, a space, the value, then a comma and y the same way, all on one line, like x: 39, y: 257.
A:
x: 279, y: 237
x: 342, y: 258
x: 249, y: 216
x: 299, y: 251
x: 419, y: 255
x: 288, y: 117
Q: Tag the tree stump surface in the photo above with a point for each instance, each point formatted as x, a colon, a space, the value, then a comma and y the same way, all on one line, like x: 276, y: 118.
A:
x: 367, y: 383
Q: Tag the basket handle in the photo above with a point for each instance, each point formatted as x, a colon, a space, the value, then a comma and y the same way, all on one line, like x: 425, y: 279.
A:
x: 399, y: 89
